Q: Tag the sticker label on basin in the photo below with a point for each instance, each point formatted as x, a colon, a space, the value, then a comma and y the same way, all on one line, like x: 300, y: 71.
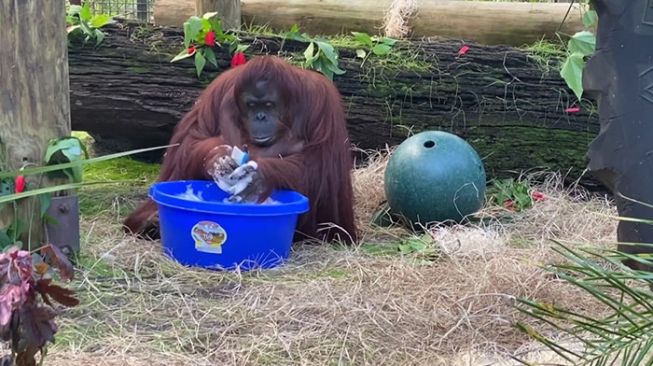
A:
x: 209, y: 237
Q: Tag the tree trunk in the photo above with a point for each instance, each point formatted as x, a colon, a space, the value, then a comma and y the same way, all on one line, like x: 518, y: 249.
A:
x: 34, y: 107
x: 228, y: 11
x: 485, y: 22
x: 509, y: 108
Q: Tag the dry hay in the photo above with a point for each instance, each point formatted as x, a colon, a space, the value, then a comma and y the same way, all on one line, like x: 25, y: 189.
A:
x: 332, y: 305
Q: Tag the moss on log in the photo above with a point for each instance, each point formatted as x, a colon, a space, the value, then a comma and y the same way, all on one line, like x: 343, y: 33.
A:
x: 127, y: 94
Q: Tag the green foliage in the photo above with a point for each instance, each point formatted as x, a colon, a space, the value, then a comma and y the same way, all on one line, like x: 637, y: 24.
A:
x: 423, y: 249
x: 579, y: 47
x: 319, y: 55
x: 511, y: 194
x: 201, y: 36
x: 83, y: 24
x: 66, y: 150
x: 379, y: 46
x: 622, y: 336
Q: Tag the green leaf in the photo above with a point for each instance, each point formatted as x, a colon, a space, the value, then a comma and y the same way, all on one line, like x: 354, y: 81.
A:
x: 381, y: 49
x: 360, y: 53
x: 45, y: 200
x: 85, y: 12
x: 85, y: 28
x: 309, y: 54
x: 582, y: 42
x: 100, y: 20
x: 70, y: 148
x: 572, y: 73
x: 200, y: 62
x: 74, y: 10
x: 192, y: 27
x: 195, y: 26
x: 242, y: 47
x: 327, y: 49
x: 210, y: 56
x: 187, y: 37
x: 590, y: 18
x: 389, y: 41
x: 335, y: 69
x: 181, y: 55
x: 99, y: 36
x: 5, y: 240
x: 363, y: 38
x: 206, y: 27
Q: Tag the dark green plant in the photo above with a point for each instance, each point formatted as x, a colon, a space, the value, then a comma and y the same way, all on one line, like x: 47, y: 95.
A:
x: 579, y: 47
x: 319, y: 55
x: 201, y: 36
x: 379, y: 46
x: 512, y: 194
x: 83, y: 24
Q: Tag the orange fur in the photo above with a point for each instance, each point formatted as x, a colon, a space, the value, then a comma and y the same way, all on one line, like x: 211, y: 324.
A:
x: 313, y: 158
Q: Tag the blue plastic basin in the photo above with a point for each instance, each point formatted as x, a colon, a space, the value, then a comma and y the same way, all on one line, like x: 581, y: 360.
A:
x: 217, y: 235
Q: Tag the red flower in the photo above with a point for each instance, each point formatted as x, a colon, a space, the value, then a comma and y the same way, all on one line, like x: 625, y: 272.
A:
x: 191, y: 50
x: 537, y: 196
x: 509, y: 204
x: 20, y: 184
x: 463, y: 50
x: 574, y: 109
x: 209, y: 39
x: 238, y: 59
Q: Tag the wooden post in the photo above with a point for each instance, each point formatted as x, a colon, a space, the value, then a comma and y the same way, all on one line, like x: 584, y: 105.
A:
x: 34, y: 103
x: 228, y: 11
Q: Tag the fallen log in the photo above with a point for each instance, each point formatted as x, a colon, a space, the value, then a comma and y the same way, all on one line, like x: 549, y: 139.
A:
x: 485, y: 22
x: 128, y: 95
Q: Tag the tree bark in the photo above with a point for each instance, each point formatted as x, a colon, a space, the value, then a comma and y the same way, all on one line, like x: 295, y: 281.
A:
x: 509, y: 108
x: 228, y: 11
x: 513, y: 23
x: 34, y: 106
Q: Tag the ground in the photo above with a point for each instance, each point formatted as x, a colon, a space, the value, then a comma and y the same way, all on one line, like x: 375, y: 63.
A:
x: 399, y: 298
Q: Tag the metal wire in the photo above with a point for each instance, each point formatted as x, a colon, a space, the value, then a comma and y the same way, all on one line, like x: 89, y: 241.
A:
x: 130, y: 9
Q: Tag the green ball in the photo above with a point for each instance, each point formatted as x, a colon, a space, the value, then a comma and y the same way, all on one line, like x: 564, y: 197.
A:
x: 435, y: 176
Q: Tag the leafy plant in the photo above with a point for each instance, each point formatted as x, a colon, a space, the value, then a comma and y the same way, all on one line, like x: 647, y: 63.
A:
x: 27, y: 293
x: 82, y: 23
x: 319, y: 55
x: 201, y: 36
x: 579, y: 47
x: 511, y: 194
x: 623, y: 336
x: 64, y: 150
x: 421, y: 248
x: 379, y: 46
